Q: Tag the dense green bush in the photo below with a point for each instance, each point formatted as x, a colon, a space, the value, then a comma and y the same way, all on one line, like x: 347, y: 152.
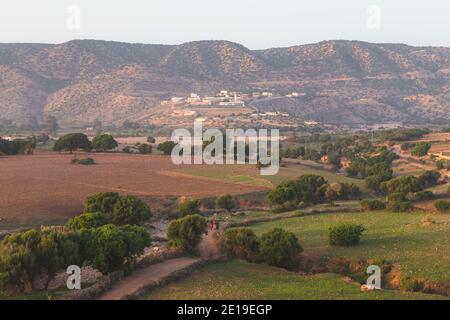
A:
x: 189, y: 206
x: 421, y: 149
x: 372, y: 204
x: 280, y: 248
x: 166, y: 147
x: 241, y: 243
x: 403, y: 184
x: 226, y: 202
x: 429, y: 178
x: 346, y: 234
x: 186, y: 232
x: 401, y: 206
x: 144, y: 148
x: 442, y: 205
x: 88, y: 220
x: 27, y: 255
x: 396, y: 197
x: 110, y: 248
x: 420, y: 196
x: 130, y: 210
x: 104, y: 142
x: 72, y: 141
x: 411, y: 284
x: 86, y: 161
x: 101, y: 202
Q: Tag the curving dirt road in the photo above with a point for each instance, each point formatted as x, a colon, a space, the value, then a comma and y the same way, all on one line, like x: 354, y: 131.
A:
x: 146, y: 276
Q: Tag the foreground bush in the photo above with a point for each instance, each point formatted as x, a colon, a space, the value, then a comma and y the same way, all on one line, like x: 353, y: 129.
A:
x: 442, y: 205
x: 346, y: 234
x: 241, y: 243
x: 130, y: 210
x: 186, y: 232
x: 401, y: 206
x: 110, y: 248
x: 372, y: 204
x: 27, y: 255
x: 87, y: 221
x: 280, y: 248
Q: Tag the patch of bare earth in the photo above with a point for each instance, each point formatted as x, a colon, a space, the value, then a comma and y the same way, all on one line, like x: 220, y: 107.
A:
x: 46, y: 185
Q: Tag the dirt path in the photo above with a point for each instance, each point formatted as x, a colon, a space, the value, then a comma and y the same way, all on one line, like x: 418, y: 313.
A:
x: 146, y: 276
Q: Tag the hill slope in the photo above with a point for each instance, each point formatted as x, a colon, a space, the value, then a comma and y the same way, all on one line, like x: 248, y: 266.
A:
x: 342, y: 81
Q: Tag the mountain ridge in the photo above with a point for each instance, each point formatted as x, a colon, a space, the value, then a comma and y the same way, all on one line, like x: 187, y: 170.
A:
x: 81, y: 80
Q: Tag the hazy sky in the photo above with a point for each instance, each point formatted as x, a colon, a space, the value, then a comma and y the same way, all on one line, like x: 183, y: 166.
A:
x: 254, y: 23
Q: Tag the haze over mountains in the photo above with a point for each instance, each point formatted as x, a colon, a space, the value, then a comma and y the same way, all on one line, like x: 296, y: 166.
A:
x: 342, y: 81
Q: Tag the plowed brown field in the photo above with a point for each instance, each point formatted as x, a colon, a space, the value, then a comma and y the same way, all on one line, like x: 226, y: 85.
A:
x: 47, y: 185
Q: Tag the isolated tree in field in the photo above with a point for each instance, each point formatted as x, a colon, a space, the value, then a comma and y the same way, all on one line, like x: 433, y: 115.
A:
x: 104, y: 142
x: 130, y: 210
x: 51, y: 125
x: 166, y: 147
x: 189, y: 206
x: 73, y: 141
x: 280, y: 248
x: 88, y: 221
x: 241, y: 243
x: 151, y: 139
x: 186, y: 232
x: 421, y: 149
x: 101, y: 202
x: 226, y: 202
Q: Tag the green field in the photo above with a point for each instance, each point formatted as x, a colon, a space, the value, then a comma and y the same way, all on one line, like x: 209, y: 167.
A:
x: 235, y: 280
x: 421, y: 251
x: 249, y: 174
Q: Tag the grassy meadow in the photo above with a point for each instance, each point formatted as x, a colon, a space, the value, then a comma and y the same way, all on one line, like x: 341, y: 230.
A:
x: 421, y: 250
x: 237, y: 280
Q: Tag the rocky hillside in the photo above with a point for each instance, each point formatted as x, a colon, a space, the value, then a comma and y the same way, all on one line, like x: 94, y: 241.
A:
x: 340, y: 81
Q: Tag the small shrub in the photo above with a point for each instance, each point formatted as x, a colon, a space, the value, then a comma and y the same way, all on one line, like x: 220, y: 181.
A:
x: 346, y: 234
x: 372, y: 204
x: 226, y: 202
x: 85, y: 161
x: 87, y: 221
x: 130, y: 210
x: 187, y: 232
x: 442, y: 205
x: 209, y: 203
x: 410, y: 284
x: 280, y: 248
x: 241, y: 243
x: 188, y: 207
x: 101, y: 202
x: 420, y: 196
x: 403, y: 206
x: 145, y: 148
x: 396, y: 197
